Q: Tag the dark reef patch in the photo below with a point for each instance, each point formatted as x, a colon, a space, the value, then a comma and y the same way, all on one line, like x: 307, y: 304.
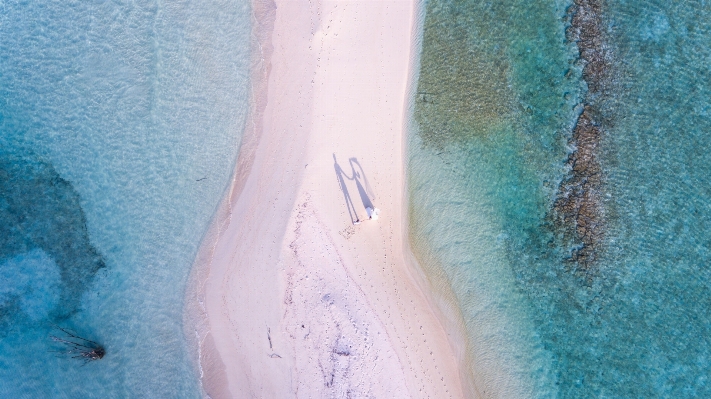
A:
x: 39, y: 209
x: 586, y: 30
x: 578, y: 207
x: 578, y: 210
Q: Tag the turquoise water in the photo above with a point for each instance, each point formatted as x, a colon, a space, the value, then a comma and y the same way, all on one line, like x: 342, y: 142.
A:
x: 501, y: 86
x: 119, y: 128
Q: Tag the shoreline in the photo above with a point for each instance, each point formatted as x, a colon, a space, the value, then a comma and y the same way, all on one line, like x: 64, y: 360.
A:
x: 435, y: 286
x: 206, y: 361
x: 287, y: 297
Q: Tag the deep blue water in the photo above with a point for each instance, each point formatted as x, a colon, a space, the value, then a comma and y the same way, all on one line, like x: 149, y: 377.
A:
x: 119, y: 128
x: 500, y: 89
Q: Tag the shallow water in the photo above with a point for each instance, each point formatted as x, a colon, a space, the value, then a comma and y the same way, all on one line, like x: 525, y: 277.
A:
x: 119, y: 128
x: 499, y: 93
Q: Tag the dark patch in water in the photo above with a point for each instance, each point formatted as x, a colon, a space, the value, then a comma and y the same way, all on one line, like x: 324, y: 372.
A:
x: 578, y: 206
x: 39, y: 209
x: 578, y: 210
x: 586, y: 31
x: 463, y: 86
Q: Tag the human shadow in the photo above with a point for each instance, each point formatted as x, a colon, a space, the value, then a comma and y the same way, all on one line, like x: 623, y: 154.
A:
x: 340, y: 174
x: 366, y: 193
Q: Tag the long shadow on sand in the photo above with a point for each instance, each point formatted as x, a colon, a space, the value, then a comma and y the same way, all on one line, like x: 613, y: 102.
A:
x: 365, y: 192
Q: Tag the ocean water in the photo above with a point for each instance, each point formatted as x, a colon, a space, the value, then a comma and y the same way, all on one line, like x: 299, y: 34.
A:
x: 500, y: 89
x: 120, y: 124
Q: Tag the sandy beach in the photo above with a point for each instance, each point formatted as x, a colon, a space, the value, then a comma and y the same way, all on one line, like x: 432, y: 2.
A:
x: 296, y: 293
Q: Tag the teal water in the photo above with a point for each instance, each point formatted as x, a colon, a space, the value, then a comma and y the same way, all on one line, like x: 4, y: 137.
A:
x: 500, y: 88
x: 120, y: 124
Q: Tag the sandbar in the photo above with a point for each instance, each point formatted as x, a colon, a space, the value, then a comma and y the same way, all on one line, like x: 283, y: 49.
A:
x: 295, y: 292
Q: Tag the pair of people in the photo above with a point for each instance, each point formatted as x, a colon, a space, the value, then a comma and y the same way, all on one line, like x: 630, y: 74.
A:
x: 372, y: 214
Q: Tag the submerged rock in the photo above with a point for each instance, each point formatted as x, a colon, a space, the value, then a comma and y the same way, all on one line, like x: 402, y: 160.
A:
x: 578, y: 210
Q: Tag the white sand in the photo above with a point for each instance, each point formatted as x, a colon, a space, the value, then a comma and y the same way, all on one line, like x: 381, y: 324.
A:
x: 289, y: 297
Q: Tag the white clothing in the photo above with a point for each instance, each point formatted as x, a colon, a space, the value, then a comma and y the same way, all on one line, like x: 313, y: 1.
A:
x: 372, y: 213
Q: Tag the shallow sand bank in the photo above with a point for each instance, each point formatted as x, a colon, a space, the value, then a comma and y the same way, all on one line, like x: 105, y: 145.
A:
x: 289, y: 297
